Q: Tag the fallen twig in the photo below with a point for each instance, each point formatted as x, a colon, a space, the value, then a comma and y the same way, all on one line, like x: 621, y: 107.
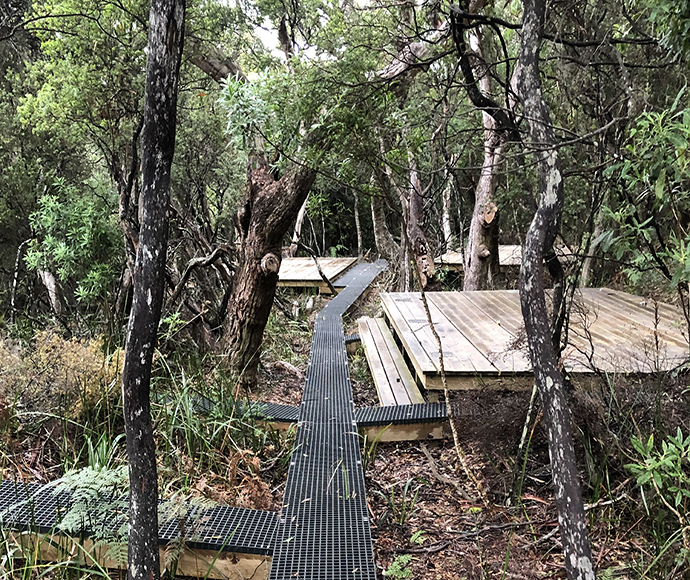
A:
x: 444, y: 478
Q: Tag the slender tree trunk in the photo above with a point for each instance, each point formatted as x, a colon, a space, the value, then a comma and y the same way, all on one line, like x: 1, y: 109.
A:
x: 481, y: 255
x: 51, y: 284
x: 269, y: 208
x: 15, y: 280
x: 358, y: 226
x: 386, y: 246
x: 446, y: 223
x: 419, y: 246
x: 296, y: 234
x: 166, y: 31
x: 539, y: 240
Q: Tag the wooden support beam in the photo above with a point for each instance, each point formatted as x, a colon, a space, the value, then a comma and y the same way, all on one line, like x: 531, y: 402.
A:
x: 191, y: 562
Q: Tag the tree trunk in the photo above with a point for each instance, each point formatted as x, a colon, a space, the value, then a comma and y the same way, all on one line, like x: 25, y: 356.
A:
x: 158, y: 144
x: 446, y: 224
x: 51, y: 284
x: 292, y: 250
x: 386, y: 246
x: 481, y: 255
x: 269, y: 208
x: 419, y: 246
x: 358, y: 226
x: 539, y: 240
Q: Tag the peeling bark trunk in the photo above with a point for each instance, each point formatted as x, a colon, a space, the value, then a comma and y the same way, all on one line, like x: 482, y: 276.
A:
x: 158, y: 144
x: 481, y: 255
x: 419, y: 246
x: 539, y: 241
x: 269, y: 208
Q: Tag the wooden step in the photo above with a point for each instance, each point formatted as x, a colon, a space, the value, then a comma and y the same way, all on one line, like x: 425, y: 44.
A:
x: 392, y: 378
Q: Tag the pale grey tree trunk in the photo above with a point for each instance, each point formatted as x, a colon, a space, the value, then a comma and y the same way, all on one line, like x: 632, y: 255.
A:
x: 166, y: 30
x: 358, y: 226
x: 481, y: 254
x: 539, y: 240
x: 52, y: 286
x: 297, y: 232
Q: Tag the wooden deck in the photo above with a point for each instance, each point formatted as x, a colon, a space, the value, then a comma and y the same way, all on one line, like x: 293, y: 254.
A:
x: 508, y: 255
x: 482, y: 336
x: 394, y: 383
x: 302, y: 272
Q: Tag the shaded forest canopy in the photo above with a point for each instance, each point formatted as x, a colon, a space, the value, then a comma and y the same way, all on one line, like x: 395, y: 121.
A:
x: 399, y: 130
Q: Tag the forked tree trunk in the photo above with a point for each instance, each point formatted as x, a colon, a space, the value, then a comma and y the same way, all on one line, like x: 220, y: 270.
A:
x: 539, y: 240
x: 269, y: 208
x: 166, y: 20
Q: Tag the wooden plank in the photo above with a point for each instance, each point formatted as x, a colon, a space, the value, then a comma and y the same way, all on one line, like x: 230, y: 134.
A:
x: 399, y: 375
x: 418, y: 356
x: 669, y: 323
x: 459, y: 354
x: 296, y: 271
x: 410, y: 432
x: 503, y: 307
x: 451, y: 260
x: 480, y: 329
x: 509, y: 255
x: 192, y: 562
x: 481, y: 382
x: 378, y: 372
x: 637, y: 349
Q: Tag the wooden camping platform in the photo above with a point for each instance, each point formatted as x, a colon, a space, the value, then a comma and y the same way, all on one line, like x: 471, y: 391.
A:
x: 508, y: 255
x: 302, y: 272
x: 482, y: 336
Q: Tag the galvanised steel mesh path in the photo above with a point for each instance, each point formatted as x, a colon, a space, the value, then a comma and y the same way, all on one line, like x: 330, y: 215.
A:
x: 324, y: 530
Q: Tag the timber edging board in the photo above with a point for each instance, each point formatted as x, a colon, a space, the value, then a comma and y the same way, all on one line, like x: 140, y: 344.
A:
x: 220, y: 542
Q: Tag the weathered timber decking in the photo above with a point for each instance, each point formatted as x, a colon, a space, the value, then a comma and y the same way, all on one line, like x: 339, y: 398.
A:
x: 483, y: 346
x: 302, y: 272
x: 508, y: 255
x: 394, y: 383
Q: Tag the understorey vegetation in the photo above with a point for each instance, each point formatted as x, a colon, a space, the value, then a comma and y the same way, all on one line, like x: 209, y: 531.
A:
x: 160, y: 160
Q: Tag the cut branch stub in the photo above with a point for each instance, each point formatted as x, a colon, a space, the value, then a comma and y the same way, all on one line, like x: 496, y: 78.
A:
x: 490, y: 211
x: 270, y: 264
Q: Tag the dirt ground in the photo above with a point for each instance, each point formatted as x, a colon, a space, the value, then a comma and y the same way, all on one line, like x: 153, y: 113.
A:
x: 428, y: 519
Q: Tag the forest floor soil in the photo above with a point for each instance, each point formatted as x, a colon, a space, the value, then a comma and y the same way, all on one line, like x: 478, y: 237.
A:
x: 428, y: 521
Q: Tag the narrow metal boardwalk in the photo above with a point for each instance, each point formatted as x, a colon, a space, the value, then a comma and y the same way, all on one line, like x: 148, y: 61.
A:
x: 324, y: 532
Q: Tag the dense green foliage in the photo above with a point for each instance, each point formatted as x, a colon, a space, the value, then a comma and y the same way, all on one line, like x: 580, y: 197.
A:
x: 317, y: 93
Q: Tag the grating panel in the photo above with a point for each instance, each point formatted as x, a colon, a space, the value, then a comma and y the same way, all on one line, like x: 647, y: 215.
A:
x: 30, y: 506
x: 324, y: 531
x: 401, y: 414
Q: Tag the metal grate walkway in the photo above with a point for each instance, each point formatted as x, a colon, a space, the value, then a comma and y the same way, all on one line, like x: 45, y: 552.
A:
x: 324, y: 529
